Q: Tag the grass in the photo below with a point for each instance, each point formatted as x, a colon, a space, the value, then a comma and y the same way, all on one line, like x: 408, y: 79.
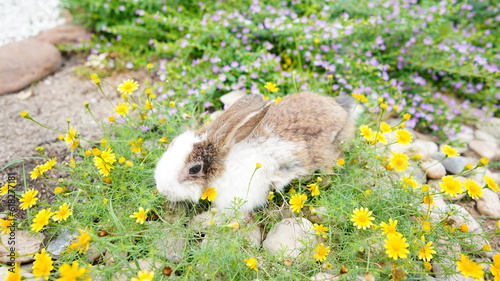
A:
x: 215, y: 249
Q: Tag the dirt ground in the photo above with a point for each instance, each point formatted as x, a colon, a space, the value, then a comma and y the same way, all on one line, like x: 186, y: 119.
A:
x: 51, y: 101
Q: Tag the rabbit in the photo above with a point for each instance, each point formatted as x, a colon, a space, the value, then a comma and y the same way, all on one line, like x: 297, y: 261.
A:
x: 294, y: 137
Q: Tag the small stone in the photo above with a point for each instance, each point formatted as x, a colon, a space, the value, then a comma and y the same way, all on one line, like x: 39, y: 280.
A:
x: 488, y: 204
x: 27, y: 244
x: 60, y: 244
x: 25, y: 62
x: 322, y: 276
x: 231, y: 97
x: 492, y: 127
x: 486, y: 149
x: 287, y: 236
x: 484, y: 136
x: 462, y: 216
x: 466, y: 134
x: 453, y: 165
x: 433, y: 169
x: 67, y: 33
x: 425, y: 148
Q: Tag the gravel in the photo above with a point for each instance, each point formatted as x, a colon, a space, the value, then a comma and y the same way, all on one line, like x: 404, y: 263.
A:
x: 20, y: 19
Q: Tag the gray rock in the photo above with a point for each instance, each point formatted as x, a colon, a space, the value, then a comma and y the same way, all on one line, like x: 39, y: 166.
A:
x: 26, y: 245
x: 486, y: 149
x: 60, y: 244
x: 287, y: 237
x: 453, y: 165
x: 489, y: 204
x: 433, y: 169
x: 67, y: 33
x: 25, y: 62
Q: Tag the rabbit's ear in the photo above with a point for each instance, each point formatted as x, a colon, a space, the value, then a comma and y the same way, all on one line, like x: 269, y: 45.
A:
x: 238, y: 121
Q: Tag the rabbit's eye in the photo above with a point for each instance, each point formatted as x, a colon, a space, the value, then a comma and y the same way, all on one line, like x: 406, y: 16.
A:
x: 195, y: 169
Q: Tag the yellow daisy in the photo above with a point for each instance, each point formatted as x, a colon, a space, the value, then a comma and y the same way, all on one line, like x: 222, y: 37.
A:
x: 210, y: 194
x: 449, y: 151
x: 42, y: 265
x: 63, y: 213
x: 469, y: 268
x: 362, y: 218
x: 297, y: 202
x: 321, y: 252
x: 399, y: 161
x: 128, y: 86
x: 251, y: 263
x: 140, y: 215
x: 28, y: 199
x: 473, y: 189
x: 403, y: 136
x: 72, y: 272
x: 451, y: 186
x: 425, y: 253
x: 122, y: 108
x: 104, y: 161
x: 41, y: 219
x: 396, y: 246
x: 389, y: 228
x: 490, y: 182
x: 144, y: 276
x: 271, y: 87
x: 320, y: 229
x: 82, y: 242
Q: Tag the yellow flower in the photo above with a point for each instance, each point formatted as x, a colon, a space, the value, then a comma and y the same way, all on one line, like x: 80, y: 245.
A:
x: 429, y: 200
x: 396, y: 246
x: 403, y: 136
x: 321, y: 252
x: 144, y: 276
x: 251, y: 263
x: 278, y: 99
x: 469, y: 268
x: 28, y: 199
x: 270, y: 195
x: 383, y: 105
x: 362, y: 218
x: 320, y: 229
x: 366, y: 132
x: 464, y: 228
x: 63, y: 213
x: 128, y: 86
x: 14, y: 275
x: 233, y: 225
x: 385, y: 128
x: 42, y: 265
x: 449, y: 151
x: 140, y: 215
x: 171, y: 104
x: 258, y: 165
x: 104, y: 161
x: 149, y: 65
x: 210, y: 194
x: 426, y: 225
x: 359, y: 97
x: 148, y: 105
x: 425, y: 188
x: 490, y: 182
x: 70, y: 135
x: 451, y: 186
x: 389, y: 228
x: 41, y: 219
x: 407, y: 116
x: 112, y: 118
x: 408, y: 181
x: 82, y: 242
x: 314, y: 189
x: 297, y: 202
x: 73, y: 272
x: 399, y: 161
x: 484, y: 161
x: 122, y: 108
x: 341, y: 162
x: 495, y: 267
x: 473, y: 189
x: 136, y: 146
x: 5, y: 225
x: 7, y: 186
x: 24, y: 114
x: 425, y: 253
x: 271, y: 87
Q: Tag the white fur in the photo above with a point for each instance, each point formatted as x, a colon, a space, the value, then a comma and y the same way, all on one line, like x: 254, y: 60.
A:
x: 237, y: 181
x: 170, y: 165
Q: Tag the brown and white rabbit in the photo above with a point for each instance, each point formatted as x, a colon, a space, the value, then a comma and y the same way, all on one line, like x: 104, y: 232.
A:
x: 291, y: 138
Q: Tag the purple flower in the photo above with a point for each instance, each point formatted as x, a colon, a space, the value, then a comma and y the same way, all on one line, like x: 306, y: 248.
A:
x: 427, y: 41
x: 144, y: 128
x: 129, y: 65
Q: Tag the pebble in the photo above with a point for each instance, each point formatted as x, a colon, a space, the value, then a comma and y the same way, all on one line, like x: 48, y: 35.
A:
x: 425, y: 148
x: 484, y: 136
x: 489, y: 204
x: 62, y: 241
x: 287, y: 236
x: 453, y: 165
x: 433, y: 169
x: 492, y: 127
x: 466, y: 134
x: 64, y: 34
x: 27, y: 244
x: 486, y: 149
